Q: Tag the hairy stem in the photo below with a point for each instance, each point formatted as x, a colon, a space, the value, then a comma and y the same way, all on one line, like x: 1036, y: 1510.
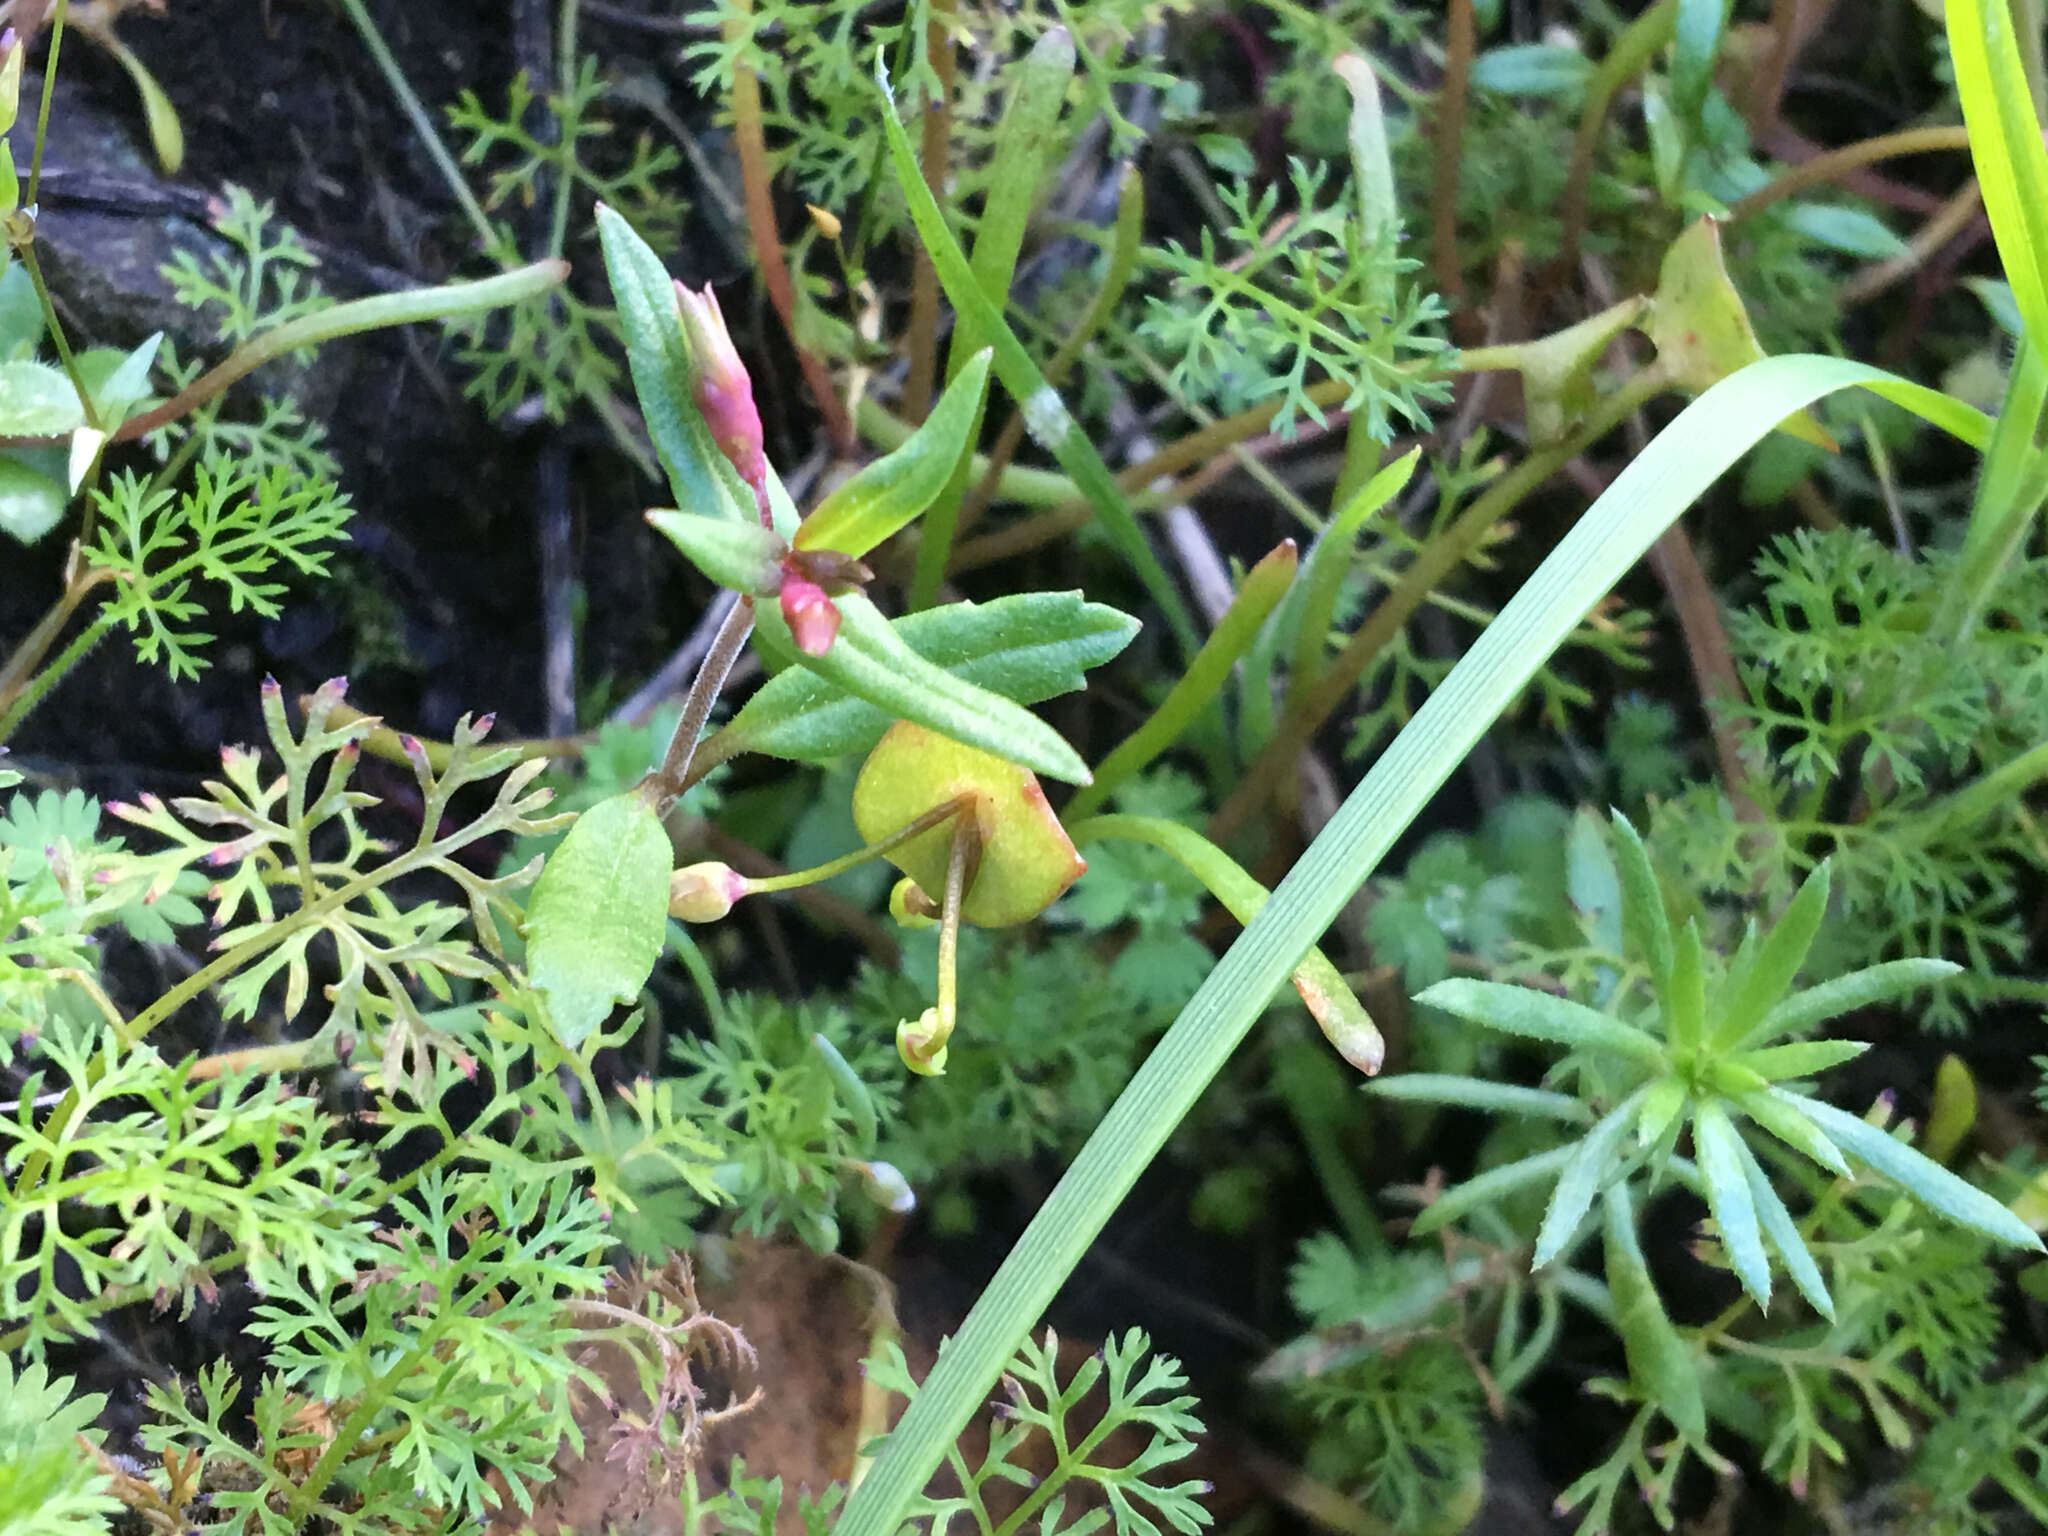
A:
x: 673, y: 777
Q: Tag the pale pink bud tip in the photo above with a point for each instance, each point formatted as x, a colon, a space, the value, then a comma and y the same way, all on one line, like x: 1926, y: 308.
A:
x: 483, y: 726
x: 723, y: 391
x: 703, y: 893
x: 270, y: 687
x: 812, y: 617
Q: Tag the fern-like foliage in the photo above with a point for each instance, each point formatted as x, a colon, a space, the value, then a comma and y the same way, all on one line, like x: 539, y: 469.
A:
x: 49, y: 1482
x: 265, y: 280
x: 237, y: 528
x: 1141, y: 1400
x: 1250, y: 317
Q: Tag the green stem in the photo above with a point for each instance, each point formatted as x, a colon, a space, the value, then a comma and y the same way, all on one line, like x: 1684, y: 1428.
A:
x: 35, y: 165
x: 26, y: 250
x: 33, y: 693
x: 422, y: 124
x: 1965, y: 807
x: 374, y: 313
x: 862, y: 855
x: 565, y: 81
x: 673, y: 777
x: 1264, y: 585
x: 1629, y: 57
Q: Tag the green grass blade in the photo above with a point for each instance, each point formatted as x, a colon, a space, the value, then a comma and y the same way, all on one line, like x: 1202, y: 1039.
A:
x: 1045, y: 413
x: 2005, y: 143
x: 1703, y: 441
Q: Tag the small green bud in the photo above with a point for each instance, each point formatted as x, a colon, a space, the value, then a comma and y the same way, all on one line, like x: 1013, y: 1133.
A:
x: 703, y: 893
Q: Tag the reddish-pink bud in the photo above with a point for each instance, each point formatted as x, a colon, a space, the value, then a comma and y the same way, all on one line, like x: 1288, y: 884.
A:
x: 703, y: 893
x: 724, y: 392
x: 812, y: 617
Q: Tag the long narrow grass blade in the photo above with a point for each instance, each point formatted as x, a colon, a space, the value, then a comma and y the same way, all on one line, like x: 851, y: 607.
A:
x: 1705, y: 439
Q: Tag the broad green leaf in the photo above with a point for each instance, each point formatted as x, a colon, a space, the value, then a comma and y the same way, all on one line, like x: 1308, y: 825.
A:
x: 1479, y: 1093
x: 1922, y: 1178
x: 37, y: 400
x: 1592, y: 1168
x: 31, y: 504
x: 664, y: 375
x: 743, y: 556
x: 1026, y: 859
x: 1263, y: 587
x: 1693, y: 451
x: 1800, y: 1058
x: 1790, y: 1127
x: 1531, y: 69
x: 1783, y: 1232
x: 21, y: 314
x: 599, y: 914
x: 897, y: 487
x: 1540, y: 1016
x: 2006, y: 147
x: 1489, y: 1186
x: 1719, y: 1150
x: 1758, y: 983
x: 1659, y: 1364
x: 1643, y: 920
x: 871, y: 661
x: 1859, y: 989
x: 1028, y: 647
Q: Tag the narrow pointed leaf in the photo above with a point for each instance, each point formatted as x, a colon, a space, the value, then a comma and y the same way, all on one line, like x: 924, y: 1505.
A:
x: 743, y: 556
x: 1479, y: 1093
x: 1783, y: 1232
x: 1488, y: 1186
x: 1845, y: 994
x: 889, y: 493
x: 1757, y: 987
x: 1592, y: 1168
x: 1540, y: 1016
x: 1685, y: 1018
x: 1659, y: 1364
x: 1643, y: 921
x: 1027, y: 647
x: 2006, y: 148
x: 1660, y: 1108
x: 1800, y: 1058
x: 1720, y: 1161
x: 1792, y: 1128
x: 1922, y: 1178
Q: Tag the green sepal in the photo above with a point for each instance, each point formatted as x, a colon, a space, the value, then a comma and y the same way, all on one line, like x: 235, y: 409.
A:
x: 599, y: 914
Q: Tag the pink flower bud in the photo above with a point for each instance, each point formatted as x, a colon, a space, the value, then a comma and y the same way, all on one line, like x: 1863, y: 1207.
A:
x: 703, y: 893
x: 724, y: 392
x: 812, y: 617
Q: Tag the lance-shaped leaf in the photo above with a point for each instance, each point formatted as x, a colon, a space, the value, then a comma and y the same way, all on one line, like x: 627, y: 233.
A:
x: 1491, y: 1185
x: 871, y: 661
x: 899, y: 486
x: 599, y: 914
x: 1845, y: 994
x: 1643, y: 920
x: 1659, y: 1364
x: 664, y: 375
x: 1593, y: 1167
x: 1027, y: 647
x: 1783, y: 1232
x: 1764, y: 969
x: 1922, y: 1178
x: 743, y: 556
x: 1728, y: 1195
x: 1539, y: 1016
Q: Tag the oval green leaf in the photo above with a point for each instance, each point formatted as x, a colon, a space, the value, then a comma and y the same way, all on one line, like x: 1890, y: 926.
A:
x: 599, y: 914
